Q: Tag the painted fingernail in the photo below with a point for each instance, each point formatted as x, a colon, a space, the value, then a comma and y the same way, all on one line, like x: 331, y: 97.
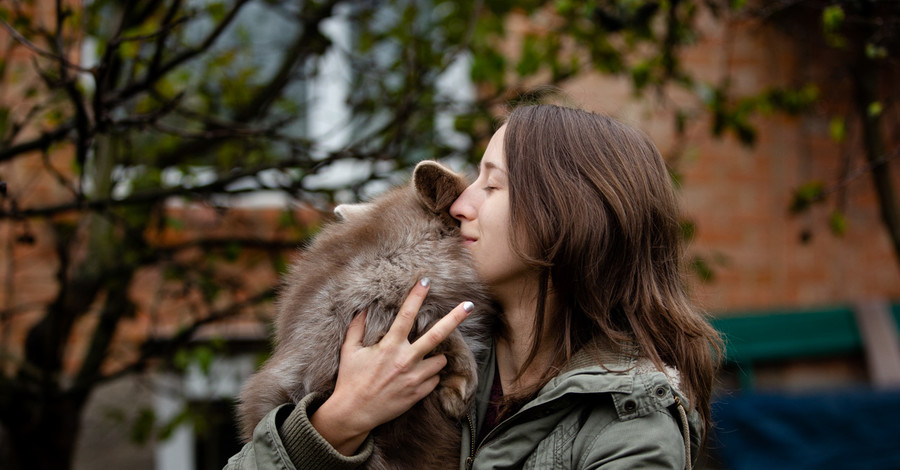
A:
x: 425, y: 282
x: 468, y: 306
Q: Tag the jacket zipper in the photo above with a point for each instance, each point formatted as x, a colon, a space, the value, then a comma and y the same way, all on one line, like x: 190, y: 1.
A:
x: 471, y: 458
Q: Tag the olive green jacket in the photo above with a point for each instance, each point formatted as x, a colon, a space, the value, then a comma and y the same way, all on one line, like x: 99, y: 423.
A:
x: 622, y: 414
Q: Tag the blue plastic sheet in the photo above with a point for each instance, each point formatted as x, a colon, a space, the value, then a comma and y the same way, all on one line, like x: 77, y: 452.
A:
x: 857, y: 429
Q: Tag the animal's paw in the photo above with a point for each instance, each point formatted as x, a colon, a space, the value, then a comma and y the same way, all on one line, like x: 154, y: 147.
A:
x: 453, y: 395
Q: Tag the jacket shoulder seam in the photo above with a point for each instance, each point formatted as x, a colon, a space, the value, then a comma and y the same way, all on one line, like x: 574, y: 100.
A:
x: 582, y: 461
x: 283, y: 458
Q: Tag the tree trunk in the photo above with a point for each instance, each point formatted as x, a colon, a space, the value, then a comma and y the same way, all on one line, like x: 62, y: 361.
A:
x: 43, y: 434
x: 865, y: 82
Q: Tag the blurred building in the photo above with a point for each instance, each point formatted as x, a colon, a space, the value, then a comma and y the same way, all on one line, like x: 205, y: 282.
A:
x: 786, y: 290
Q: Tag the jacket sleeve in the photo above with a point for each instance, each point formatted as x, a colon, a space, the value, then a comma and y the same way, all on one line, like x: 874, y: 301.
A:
x: 650, y: 441
x: 285, y: 439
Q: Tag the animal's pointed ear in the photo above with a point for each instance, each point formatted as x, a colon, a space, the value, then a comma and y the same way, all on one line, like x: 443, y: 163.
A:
x: 437, y: 185
x: 348, y: 211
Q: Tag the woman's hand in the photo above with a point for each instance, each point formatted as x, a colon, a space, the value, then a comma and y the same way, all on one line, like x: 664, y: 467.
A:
x: 379, y: 383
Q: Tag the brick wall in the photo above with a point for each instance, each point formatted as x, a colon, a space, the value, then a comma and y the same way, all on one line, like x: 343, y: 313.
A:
x: 739, y: 197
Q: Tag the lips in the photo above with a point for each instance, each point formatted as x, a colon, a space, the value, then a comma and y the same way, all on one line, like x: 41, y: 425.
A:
x: 467, y: 240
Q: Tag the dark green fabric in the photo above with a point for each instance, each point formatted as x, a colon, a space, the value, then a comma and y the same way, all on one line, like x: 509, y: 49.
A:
x: 602, y: 411
x: 286, y: 440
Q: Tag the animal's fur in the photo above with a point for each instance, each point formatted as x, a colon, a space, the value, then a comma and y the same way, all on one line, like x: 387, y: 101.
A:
x: 370, y: 260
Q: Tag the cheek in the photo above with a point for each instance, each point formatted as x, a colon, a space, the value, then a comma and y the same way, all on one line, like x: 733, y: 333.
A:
x: 496, y: 214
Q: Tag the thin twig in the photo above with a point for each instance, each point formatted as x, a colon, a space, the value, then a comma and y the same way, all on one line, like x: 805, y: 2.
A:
x: 859, y: 172
x: 39, y: 143
x: 37, y: 50
x: 145, y: 82
x: 184, y: 336
x: 154, y: 35
x: 60, y: 178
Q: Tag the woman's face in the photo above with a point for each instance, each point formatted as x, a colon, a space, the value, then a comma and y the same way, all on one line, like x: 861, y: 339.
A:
x: 483, y: 212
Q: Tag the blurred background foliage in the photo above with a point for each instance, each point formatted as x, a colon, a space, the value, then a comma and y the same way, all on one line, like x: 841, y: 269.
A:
x: 135, y: 109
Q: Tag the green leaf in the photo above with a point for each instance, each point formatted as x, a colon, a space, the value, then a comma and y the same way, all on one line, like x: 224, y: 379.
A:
x: 702, y: 269
x: 142, y: 428
x: 640, y: 74
x: 564, y: 7
x: 791, y: 101
x: 286, y: 219
x: 838, y: 223
x: 745, y: 132
x: 260, y: 358
x: 279, y: 264
x: 837, y: 128
x: 182, y: 359
x: 531, y: 57
x: 488, y: 68
x: 216, y: 11
x: 832, y: 18
x: 688, y: 229
x: 807, y: 195
x: 874, y: 109
x: 166, y: 430
x: 232, y: 251
x: 22, y: 22
x: 129, y: 49
x: 875, y: 52
x: 681, y: 119
x: 175, y: 224
x: 204, y: 356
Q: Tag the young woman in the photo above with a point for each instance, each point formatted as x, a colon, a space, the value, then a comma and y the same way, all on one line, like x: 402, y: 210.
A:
x: 601, y: 362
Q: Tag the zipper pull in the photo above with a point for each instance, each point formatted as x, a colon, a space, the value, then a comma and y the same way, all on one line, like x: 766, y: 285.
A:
x: 469, y: 462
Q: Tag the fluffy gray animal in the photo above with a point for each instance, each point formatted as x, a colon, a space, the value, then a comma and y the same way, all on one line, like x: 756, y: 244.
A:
x: 370, y: 259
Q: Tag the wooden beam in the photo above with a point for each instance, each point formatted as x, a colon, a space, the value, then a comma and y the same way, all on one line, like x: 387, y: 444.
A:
x: 880, y: 342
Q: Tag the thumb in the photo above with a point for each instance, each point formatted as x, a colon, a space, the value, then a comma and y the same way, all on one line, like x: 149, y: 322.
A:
x: 356, y: 331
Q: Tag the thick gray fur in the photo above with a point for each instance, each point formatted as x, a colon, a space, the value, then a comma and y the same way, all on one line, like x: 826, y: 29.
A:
x: 370, y: 260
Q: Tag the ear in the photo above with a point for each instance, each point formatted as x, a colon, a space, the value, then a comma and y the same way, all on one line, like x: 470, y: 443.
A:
x: 347, y: 211
x: 437, y: 186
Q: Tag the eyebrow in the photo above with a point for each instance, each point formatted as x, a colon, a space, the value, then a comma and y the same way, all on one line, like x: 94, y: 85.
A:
x: 493, y: 166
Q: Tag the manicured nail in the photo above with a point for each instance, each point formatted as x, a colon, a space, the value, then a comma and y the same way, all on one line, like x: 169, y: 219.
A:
x: 425, y: 282
x: 468, y: 306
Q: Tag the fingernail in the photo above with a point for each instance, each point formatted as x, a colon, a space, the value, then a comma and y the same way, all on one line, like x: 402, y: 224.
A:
x: 425, y: 282
x: 468, y: 306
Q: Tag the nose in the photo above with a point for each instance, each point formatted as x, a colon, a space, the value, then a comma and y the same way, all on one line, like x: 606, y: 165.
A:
x: 463, y: 208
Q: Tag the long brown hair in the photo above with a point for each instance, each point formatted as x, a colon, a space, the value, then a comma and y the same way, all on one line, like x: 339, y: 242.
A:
x: 595, y: 212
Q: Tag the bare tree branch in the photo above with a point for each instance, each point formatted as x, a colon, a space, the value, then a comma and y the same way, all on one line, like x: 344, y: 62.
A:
x: 43, y: 142
x: 163, y: 349
x: 84, y: 128
x: 41, y: 52
x: 152, y: 76
x: 218, y: 186
x: 244, y: 242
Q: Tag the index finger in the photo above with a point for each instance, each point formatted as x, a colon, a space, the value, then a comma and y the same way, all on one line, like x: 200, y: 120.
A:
x: 442, y: 329
x: 406, y: 317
